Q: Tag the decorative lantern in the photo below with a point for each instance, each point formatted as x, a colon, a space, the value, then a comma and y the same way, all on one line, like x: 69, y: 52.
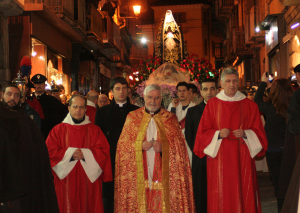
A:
x: 20, y: 83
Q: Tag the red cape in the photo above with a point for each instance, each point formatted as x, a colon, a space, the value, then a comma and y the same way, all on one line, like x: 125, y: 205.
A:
x: 91, y: 112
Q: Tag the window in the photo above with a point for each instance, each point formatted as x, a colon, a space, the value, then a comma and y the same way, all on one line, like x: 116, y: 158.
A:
x: 180, y: 17
x: 204, y: 18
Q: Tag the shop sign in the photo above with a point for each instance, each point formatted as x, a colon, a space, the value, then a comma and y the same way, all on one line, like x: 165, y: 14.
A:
x: 272, y: 36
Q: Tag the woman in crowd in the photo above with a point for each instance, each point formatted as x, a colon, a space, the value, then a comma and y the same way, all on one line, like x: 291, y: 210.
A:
x: 275, y: 111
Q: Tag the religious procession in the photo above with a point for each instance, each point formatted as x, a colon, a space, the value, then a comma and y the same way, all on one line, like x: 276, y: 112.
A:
x: 174, y: 133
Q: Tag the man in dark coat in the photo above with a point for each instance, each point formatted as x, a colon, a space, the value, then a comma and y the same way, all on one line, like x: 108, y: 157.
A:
x: 54, y: 110
x: 111, y: 118
x: 193, y: 116
x: 290, y: 172
x: 26, y: 182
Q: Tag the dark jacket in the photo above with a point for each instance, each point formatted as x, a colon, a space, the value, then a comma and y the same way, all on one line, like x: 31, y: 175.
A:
x: 54, y: 112
x: 192, y: 121
x: 111, y: 119
x: 291, y: 152
x: 25, y: 171
x: 32, y: 114
x: 275, y: 125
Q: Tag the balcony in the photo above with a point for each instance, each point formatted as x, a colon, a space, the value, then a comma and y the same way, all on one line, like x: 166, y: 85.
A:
x: 228, y: 51
x: 93, y: 21
x: 111, y: 38
x: 238, y: 41
x: 11, y: 7
x: 224, y: 9
x: 94, y: 27
x: 63, y: 8
x: 286, y: 3
x: 218, y: 51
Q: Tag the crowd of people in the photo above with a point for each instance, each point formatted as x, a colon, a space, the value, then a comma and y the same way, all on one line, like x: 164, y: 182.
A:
x: 98, y: 153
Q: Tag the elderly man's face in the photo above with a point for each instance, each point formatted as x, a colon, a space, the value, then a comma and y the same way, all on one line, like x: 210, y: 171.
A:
x: 11, y: 97
x: 230, y: 84
x: 153, y: 100
x: 77, y: 109
x: 102, y: 101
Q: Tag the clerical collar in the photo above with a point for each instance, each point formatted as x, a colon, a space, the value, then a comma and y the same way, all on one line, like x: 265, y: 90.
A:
x: 121, y: 104
x: 152, y: 113
x: 205, y: 102
x: 78, y: 121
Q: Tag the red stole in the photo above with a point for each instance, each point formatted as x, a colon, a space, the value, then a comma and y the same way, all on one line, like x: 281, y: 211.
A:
x: 182, y: 123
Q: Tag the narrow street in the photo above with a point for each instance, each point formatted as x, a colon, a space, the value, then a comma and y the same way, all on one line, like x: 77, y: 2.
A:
x: 268, y: 200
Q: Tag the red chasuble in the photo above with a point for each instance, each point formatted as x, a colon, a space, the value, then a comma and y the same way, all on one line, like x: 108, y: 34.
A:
x: 91, y: 112
x: 171, y: 189
x: 231, y: 175
x: 76, y: 193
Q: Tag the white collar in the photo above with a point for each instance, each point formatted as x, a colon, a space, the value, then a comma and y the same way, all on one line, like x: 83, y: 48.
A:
x: 69, y: 120
x: 237, y: 97
x: 121, y: 104
x: 90, y: 103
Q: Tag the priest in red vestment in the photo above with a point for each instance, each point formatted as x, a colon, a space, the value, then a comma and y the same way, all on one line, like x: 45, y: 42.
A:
x: 153, y: 172
x: 231, y: 134
x: 92, y: 99
x: 80, y: 158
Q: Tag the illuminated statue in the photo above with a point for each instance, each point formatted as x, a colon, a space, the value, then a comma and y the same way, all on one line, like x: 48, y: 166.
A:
x: 169, y: 44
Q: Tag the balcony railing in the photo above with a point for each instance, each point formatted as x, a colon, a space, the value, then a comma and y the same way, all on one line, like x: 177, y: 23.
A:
x: 218, y: 50
x: 224, y: 8
x: 93, y: 21
x: 289, y: 2
x: 61, y: 7
x: 238, y: 40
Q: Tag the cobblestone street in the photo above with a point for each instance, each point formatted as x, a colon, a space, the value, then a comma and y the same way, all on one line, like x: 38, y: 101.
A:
x: 268, y: 200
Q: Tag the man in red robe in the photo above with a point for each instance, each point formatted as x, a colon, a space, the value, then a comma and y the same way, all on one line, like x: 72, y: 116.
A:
x: 92, y: 99
x: 80, y: 158
x: 231, y: 134
x: 153, y: 172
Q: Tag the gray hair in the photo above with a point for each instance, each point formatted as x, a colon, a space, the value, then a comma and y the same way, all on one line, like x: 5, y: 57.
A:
x: 74, y: 96
x: 228, y: 71
x: 152, y: 87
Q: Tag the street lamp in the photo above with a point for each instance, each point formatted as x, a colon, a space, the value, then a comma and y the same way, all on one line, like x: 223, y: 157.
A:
x: 137, y: 9
x: 144, y: 40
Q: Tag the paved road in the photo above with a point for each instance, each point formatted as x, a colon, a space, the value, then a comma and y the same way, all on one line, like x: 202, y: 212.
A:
x: 267, y: 198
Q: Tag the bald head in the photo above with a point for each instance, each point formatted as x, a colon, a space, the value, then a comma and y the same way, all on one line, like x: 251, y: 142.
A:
x: 92, y: 96
x: 103, y: 100
x: 75, y: 92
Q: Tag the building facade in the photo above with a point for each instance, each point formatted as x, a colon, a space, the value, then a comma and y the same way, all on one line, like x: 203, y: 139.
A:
x: 73, y: 43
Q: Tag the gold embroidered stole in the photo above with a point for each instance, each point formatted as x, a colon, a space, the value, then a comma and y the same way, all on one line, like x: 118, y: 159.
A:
x: 142, y: 203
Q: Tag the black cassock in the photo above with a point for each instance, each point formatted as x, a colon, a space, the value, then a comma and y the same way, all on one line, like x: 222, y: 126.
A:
x: 111, y: 119
x: 25, y: 171
x: 192, y: 121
